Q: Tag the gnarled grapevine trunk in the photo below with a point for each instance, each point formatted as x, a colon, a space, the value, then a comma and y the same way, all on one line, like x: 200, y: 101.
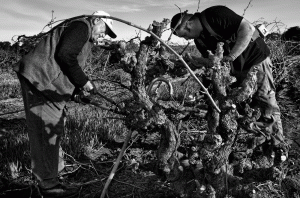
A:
x: 208, y: 171
x: 142, y: 112
x: 212, y: 173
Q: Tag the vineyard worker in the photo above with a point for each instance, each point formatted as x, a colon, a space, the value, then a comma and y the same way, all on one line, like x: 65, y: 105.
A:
x: 49, y: 75
x: 243, y: 47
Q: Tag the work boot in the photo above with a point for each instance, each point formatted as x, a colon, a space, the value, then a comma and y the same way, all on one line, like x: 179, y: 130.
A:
x: 60, y: 190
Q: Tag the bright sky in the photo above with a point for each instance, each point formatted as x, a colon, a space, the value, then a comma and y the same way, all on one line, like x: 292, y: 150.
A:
x: 18, y: 17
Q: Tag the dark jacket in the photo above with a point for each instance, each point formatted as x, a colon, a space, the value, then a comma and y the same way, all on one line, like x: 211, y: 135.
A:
x: 40, y: 67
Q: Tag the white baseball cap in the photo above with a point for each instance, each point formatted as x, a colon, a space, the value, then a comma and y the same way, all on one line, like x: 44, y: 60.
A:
x: 107, y: 21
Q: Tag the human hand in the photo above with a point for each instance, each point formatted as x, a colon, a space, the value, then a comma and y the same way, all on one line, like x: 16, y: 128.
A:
x: 229, y: 58
x: 188, y: 57
x: 90, y: 87
x: 79, y: 97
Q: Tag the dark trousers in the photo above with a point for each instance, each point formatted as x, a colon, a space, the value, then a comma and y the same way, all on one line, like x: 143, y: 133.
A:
x: 264, y: 98
x: 45, y: 122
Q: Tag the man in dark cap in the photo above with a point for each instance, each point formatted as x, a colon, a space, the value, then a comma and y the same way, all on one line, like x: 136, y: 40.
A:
x: 243, y: 48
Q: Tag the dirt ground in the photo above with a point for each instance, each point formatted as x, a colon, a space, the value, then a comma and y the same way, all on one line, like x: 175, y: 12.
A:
x: 133, y: 178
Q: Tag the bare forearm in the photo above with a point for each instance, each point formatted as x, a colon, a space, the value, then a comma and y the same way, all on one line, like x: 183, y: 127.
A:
x: 244, y: 36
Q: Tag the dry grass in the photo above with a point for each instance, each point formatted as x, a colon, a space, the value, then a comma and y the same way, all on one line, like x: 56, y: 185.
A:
x: 9, y: 86
x: 89, y: 126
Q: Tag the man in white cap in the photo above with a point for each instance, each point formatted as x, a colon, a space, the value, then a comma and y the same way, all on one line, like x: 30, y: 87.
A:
x: 108, y: 22
x: 48, y: 76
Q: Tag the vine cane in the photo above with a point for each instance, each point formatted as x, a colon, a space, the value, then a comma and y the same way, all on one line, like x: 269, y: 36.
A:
x: 113, y: 171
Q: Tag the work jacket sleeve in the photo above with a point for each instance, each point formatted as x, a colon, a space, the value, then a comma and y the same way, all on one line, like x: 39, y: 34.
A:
x: 69, y: 47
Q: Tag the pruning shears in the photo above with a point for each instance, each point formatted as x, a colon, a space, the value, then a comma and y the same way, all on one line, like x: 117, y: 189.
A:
x: 80, y: 97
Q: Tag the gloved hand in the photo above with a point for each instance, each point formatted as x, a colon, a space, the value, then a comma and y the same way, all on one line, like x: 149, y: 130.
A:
x: 79, y: 97
x: 90, y: 87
